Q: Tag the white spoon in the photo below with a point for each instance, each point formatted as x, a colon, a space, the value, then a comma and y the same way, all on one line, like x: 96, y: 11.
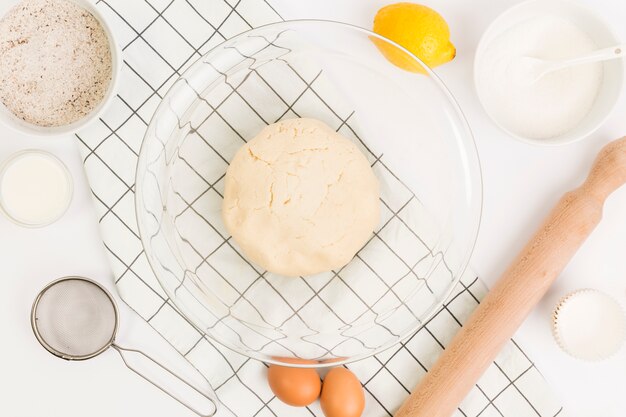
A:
x: 532, y: 69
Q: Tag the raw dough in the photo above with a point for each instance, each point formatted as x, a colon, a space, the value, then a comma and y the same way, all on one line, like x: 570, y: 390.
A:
x: 300, y: 198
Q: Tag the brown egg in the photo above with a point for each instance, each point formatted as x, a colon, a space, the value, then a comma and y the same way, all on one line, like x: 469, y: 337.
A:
x: 342, y: 394
x: 298, y: 387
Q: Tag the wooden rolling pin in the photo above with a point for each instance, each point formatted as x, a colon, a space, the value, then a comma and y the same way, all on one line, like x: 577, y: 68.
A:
x: 519, y: 289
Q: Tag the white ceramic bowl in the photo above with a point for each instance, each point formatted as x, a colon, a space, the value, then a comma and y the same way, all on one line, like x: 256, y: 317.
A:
x: 9, y: 119
x: 596, y: 27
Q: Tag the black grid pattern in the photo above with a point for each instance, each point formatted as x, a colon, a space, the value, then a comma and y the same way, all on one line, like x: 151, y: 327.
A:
x: 109, y: 147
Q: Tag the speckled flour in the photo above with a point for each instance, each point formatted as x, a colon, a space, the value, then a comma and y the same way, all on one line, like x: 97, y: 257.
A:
x: 56, y: 62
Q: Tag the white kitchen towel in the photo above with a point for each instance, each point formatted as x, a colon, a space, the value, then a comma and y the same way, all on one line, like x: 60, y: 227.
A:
x: 160, y: 38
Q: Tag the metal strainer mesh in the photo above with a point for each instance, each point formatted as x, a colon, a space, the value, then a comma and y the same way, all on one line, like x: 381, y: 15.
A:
x: 74, y: 318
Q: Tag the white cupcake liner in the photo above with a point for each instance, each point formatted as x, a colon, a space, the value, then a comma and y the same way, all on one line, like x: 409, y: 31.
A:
x: 589, y: 325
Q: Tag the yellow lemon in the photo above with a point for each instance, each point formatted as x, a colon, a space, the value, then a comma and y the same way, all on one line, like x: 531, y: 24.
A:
x: 419, y: 29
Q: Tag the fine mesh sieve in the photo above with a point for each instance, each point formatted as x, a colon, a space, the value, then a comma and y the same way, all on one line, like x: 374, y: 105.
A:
x: 75, y: 318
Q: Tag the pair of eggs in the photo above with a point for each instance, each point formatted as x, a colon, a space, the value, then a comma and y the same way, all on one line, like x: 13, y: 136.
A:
x: 341, y: 394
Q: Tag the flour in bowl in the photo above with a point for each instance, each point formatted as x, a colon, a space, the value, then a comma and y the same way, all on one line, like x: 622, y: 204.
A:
x: 552, y: 105
x: 56, y: 62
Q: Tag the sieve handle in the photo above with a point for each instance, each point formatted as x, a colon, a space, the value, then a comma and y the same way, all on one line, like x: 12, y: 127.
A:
x: 521, y: 286
x: 193, y: 397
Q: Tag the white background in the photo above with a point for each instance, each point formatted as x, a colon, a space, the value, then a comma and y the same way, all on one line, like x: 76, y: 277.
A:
x: 521, y: 183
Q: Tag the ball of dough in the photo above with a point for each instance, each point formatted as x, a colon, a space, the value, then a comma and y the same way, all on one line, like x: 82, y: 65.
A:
x: 300, y: 198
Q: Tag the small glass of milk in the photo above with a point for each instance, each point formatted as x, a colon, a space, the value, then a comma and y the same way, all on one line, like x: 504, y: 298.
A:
x: 35, y: 188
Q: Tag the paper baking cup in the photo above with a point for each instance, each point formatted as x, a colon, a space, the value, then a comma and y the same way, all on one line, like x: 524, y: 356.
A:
x: 589, y: 325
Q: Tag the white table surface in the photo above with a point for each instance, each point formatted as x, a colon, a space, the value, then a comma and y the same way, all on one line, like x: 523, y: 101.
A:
x: 521, y: 183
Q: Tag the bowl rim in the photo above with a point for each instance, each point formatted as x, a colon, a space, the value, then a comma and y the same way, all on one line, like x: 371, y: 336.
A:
x: 20, y: 126
x: 471, y: 163
x: 555, y: 141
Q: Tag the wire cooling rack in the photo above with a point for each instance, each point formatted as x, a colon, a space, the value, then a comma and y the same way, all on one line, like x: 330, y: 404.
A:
x: 161, y: 38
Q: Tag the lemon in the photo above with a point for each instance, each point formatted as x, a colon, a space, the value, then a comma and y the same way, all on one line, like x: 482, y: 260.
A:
x: 419, y: 29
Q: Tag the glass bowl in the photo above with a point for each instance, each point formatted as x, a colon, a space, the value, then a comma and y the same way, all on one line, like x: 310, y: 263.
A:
x: 405, y: 122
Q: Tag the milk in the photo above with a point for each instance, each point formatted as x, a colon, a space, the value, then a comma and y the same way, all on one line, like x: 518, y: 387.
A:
x: 35, y: 188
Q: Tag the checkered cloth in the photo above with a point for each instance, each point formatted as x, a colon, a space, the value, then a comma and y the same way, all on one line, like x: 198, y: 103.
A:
x: 160, y: 39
